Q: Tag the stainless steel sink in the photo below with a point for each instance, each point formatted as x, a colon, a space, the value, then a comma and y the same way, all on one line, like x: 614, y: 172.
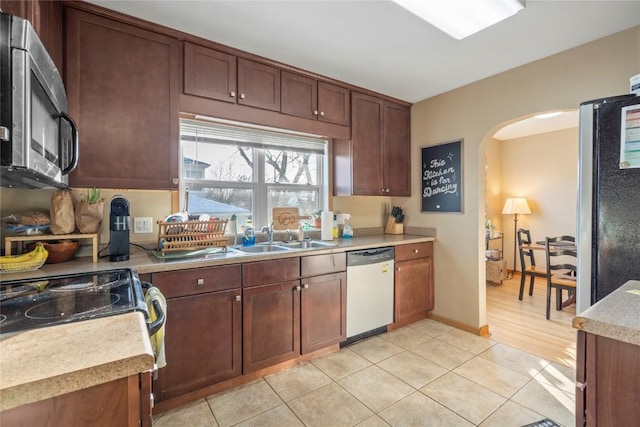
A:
x: 262, y: 248
x: 309, y: 244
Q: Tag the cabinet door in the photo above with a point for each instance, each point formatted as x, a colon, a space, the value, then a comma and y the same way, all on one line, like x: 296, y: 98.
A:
x: 46, y: 18
x: 271, y: 324
x: 123, y: 84
x: 209, y: 73
x: 413, y: 289
x: 396, y: 158
x: 366, y: 156
x: 258, y: 85
x: 299, y: 95
x: 323, y: 311
x: 202, y: 342
x: 333, y: 104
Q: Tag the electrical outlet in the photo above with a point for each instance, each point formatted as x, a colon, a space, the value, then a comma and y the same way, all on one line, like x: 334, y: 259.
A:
x: 143, y: 224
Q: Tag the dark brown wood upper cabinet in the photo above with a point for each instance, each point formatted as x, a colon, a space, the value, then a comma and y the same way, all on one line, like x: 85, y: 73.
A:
x: 380, y: 150
x: 258, y: 85
x: 209, y: 73
x: 123, y: 84
x: 307, y: 97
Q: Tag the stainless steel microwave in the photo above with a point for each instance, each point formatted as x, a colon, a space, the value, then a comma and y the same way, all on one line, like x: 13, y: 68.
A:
x: 39, y: 141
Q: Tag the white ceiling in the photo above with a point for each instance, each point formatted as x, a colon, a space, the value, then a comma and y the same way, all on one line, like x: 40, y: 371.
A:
x: 380, y: 46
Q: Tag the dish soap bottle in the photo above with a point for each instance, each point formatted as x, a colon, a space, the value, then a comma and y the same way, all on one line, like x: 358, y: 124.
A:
x: 249, y: 238
x: 347, y: 231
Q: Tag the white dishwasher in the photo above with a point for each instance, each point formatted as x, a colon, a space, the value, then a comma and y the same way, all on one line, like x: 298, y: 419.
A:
x: 369, y: 292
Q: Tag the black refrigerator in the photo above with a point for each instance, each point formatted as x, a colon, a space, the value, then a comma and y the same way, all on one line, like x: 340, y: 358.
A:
x: 608, y: 237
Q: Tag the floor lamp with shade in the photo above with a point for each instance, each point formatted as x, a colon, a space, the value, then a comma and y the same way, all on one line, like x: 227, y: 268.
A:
x: 515, y: 206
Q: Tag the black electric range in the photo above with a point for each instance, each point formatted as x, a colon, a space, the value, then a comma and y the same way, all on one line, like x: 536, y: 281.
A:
x: 55, y: 300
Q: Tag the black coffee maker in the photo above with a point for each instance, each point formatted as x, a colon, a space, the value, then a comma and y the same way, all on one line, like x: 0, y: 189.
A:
x: 119, y: 226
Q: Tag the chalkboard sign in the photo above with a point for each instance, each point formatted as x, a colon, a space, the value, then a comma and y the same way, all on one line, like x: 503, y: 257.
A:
x: 442, y: 177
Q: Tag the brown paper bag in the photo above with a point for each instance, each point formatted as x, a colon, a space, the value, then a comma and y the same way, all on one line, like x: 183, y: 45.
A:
x: 61, y: 212
x: 89, y: 216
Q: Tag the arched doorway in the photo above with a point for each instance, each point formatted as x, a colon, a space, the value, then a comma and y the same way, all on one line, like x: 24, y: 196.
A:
x: 535, y: 159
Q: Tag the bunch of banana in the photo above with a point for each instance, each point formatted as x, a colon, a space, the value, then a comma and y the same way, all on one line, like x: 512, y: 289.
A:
x: 39, y: 253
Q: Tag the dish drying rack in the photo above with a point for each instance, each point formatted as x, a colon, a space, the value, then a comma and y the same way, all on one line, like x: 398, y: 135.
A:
x: 191, y: 235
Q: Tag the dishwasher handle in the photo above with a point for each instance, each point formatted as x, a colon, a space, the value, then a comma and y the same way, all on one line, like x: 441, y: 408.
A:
x: 370, y: 256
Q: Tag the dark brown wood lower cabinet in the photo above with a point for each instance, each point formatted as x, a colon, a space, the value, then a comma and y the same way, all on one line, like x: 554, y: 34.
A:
x: 202, y: 342
x: 414, y: 295
x: 607, y: 382
x: 115, y: 403
x: 271, y: 324
x: 323, y: 311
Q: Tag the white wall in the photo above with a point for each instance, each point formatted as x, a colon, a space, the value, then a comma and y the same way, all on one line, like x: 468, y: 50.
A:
x: 474, y: 112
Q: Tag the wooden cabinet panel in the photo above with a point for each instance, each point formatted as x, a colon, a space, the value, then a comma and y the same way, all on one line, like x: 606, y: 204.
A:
x: 203, y: 342
x: 271, y: 323
x: 307, y: 97
x: 414, y: 288
x: 123, y: 84
x: 396, y: 158
x: 258, y: 85
x: 116, y: 403
x: 46, y: 18
x: 413, y: 251
x: 609, y: 370
x: 316, y: 265
x: 272, y: 271
x: 198, y: 280
x: 209, y: 73
x: 366, y: 133
x: 380, y: 149
x: 299, y: 95
x: 333, y: 104
x: 323, y: 311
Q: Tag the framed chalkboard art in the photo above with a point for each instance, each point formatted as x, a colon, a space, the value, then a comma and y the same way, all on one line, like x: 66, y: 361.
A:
x: 442, y: 177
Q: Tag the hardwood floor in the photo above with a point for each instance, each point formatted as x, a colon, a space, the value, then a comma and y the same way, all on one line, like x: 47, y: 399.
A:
x: 522, y: 324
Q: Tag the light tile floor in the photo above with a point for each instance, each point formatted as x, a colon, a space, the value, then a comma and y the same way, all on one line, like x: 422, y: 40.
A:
x: 426, y: 374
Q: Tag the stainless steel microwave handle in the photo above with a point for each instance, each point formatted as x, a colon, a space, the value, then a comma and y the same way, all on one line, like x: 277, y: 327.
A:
x: 74, y: 136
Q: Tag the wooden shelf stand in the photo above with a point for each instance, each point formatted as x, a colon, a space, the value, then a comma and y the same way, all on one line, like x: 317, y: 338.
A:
x: 8, y: 241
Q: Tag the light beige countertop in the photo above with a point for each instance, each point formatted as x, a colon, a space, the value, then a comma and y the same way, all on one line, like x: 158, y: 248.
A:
x: 617, y: 316
x: 41, y: 363
x: 144, y: 262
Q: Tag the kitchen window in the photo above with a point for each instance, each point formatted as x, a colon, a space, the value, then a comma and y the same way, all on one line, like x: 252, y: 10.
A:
x: 232, y: 168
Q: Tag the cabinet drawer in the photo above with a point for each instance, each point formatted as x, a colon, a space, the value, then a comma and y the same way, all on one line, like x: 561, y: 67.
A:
x: 273, y: 271
x: 316, y: 265
x: 413, y: 251
x: 198, y: 280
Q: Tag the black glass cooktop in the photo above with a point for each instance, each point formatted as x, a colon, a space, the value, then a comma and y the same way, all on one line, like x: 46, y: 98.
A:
x: 48, y: 301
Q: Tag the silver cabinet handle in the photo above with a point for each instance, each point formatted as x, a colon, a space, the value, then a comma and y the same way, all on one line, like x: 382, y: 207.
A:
x: 415, y: 251
x: 232, y: 94
x: 242, y: 96
x: 306, y: 286
x: 298, y: 288
x: 238, y: 298
x: 386, y: 190
x: 322, y: 113
x: 175, y: 181
x: 315, y: 112
x: 398, y: 268
x: 200, y: 282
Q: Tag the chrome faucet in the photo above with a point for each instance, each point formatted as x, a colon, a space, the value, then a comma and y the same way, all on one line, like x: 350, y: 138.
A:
x: 289, y: 235
x: 269, y: 230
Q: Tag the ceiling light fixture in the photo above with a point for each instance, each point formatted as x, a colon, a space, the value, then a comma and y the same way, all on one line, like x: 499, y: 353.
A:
x: 461, y: 18
x: 547, y: 115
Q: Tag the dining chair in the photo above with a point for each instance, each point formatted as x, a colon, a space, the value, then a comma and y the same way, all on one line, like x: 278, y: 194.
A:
x: 561, y: 268
x: 524, y: 238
